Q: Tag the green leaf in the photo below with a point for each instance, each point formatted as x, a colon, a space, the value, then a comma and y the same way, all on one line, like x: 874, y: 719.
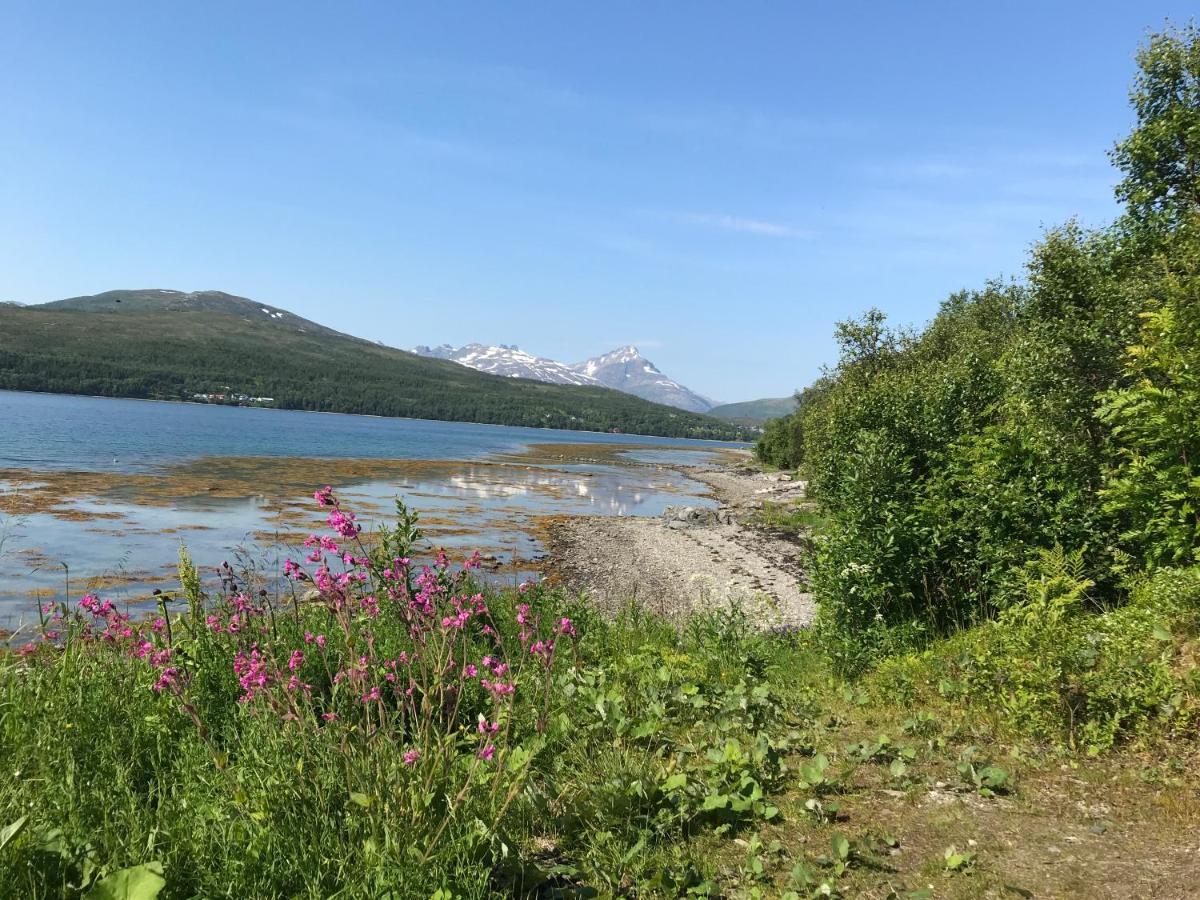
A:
x: 11, y: 831
x: 361, y: 799
x: 135, y: 883
x: 716, y: 801
x: 675, y: 782
x: 841, y: 846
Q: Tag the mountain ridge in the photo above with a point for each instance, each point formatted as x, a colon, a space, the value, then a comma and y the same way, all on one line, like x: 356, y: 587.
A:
x: 623, y: 369
x: 174, y: 345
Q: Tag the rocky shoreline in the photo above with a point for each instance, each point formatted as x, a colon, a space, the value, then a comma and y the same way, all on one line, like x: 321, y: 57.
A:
x: 690, y: 558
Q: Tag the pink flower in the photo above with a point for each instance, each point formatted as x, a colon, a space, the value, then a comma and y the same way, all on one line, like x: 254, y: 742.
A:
x: 329, y: 717
x: 411, y: 756
x: 470, y: 671
x: 165, y: 680
x: 371, y: 695
x: 295, y: 661
x: 324, y: 496
x: 487, y: 752
x: 342, y: 523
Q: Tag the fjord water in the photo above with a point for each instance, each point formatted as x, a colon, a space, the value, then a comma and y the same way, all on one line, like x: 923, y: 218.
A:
x: 97, y: 434
x: 105, y: 489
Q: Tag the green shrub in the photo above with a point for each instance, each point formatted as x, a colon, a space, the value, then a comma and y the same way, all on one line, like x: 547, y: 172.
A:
x: 1053, y: 671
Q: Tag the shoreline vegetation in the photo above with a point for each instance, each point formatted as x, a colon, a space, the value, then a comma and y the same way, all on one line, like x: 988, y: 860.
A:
x: 998, y: 693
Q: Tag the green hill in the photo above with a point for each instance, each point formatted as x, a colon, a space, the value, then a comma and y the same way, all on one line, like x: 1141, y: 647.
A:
x: 173, y: 346
x: 754, y: 412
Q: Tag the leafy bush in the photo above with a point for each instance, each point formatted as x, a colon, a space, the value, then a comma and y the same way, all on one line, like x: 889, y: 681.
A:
x: 1052, y: 672
x: 1061, y: 412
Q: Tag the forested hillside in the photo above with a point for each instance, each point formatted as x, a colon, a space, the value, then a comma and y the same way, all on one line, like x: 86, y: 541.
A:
x: 1059, y: 416
x: 168, y: 345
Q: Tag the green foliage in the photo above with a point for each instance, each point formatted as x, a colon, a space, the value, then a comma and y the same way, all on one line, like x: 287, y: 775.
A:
x: 642, y: 741
x: 1162, y: 169
x: 1054, y: 673
x: 1059, y: 413
x: 1153, y: 485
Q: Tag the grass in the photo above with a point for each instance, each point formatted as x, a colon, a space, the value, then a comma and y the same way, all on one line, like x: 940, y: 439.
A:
x: 795, y: 519
x: 632, y: 758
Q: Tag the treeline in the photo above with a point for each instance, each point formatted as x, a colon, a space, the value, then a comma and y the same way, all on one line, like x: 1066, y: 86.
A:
x: 1062, y: 412
x: 174, y: 354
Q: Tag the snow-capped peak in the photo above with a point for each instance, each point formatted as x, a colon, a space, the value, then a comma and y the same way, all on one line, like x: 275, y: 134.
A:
x: 508, y: 360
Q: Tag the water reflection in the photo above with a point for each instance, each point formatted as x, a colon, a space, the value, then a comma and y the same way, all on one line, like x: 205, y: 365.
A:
x: 123, y: 537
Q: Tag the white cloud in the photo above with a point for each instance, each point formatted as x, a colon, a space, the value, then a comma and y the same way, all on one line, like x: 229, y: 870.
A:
x: 744, y: 225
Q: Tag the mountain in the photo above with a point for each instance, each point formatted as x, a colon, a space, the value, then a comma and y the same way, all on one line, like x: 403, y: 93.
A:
x: 754, y: 412
x: 171, y: 345
x: 625, y: 370
x: 508, y: 359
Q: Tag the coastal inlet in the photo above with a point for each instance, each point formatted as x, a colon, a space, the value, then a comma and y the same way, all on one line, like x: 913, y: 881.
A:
x: 99, y: 494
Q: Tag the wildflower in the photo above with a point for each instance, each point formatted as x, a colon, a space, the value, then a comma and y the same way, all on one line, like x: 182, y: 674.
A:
x: 342, y: 523
x: 165, y: 680
x: 296, y: 660
x: 252, y: 673
x: 486, y: 727
x: 497, y: 688
x: 566, y: 626
x: 159, y: 625
x: 487, y: 752
x: 411, y: 756
x: 371, y: 695
x: 470, y: 671
x: 329, y: 717
x: 324, y: 496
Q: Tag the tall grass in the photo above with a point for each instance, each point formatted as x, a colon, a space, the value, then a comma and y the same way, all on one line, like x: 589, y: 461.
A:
x: 394, y: 731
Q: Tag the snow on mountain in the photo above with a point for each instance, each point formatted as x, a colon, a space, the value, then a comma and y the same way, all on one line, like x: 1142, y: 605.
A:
x: 624, y: 369
x: 508, y: 360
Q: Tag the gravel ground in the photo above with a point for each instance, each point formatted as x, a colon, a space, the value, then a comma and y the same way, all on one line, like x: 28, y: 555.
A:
x: 674, y: 567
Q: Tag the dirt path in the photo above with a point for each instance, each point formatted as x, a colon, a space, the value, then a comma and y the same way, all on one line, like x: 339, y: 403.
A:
x: 689, y: 559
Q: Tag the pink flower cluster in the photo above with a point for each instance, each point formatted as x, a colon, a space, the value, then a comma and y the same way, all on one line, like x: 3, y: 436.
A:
x: 453, y: 664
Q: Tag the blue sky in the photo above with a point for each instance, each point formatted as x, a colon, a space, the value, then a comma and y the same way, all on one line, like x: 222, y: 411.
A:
x: 715, y: 182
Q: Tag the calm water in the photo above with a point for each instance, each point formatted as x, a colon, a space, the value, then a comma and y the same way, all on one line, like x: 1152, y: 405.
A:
x: 106, y: 489
x: 56, y: 431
